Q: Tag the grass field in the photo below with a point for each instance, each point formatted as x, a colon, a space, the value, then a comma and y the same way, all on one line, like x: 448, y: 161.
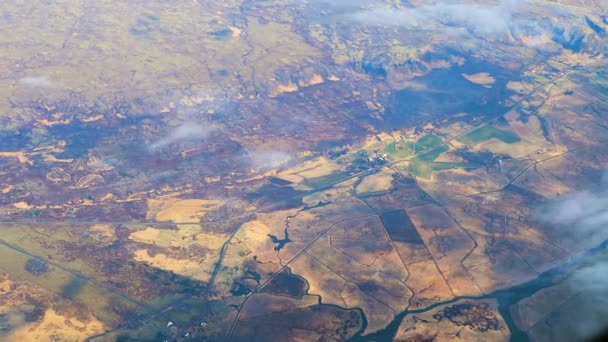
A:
x: 488, y: 132
x: 426, y: 142
x: 440, y: 166
x: 325, y: 180
x: 424, y: 165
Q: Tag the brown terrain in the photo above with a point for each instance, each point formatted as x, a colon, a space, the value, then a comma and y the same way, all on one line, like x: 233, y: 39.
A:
x: 296, y: 171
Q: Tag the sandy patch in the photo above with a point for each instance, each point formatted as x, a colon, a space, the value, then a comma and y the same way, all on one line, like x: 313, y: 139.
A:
x: 22, y: 205
x: 315, y: 79
x: 178, y: 210
x: 21, y: 157
x: 284, y: 88
x: 56, y: 327
x: 186, y: 235
x: 379, y: 182
x: 254, y: 235
x: 199, y: 270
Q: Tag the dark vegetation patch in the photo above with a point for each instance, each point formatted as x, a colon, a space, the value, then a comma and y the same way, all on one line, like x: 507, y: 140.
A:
x: 71, y: 289
x: 331, y: 321
x: 479, y: 317
x: 272, y: 193
x: 240, y: 289
x: 36, y: 313
x: 287, y: 284
x: 334, y: 154
x: 253, y: 275
x: 36, y: 266
x: 400, y: 228
x: 485, y: 158
x: 368, y: 287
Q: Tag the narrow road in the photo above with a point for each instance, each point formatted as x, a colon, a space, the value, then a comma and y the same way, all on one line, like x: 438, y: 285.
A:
x: 265, y: 208
x: 306, y: 248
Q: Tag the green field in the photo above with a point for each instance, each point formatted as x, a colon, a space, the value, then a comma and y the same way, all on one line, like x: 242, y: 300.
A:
x: 397, y: 154
x: 424, y: 143
x: 421, y: 169
x: 325, y: 180
x: 424, y: 165
x: 440, y: 166
x: 391, y: 147
x: 488, y: 132
x: 433, y: 154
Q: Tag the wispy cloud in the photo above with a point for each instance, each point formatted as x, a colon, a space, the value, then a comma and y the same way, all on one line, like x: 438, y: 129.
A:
x: 583, y: 218
x: 486, y: 18
x: 489, y: 20
x: 268, y: 159
x: 37, y: 81
x: 188, y: 131
x: 583, y: 214
x: 591, y: 282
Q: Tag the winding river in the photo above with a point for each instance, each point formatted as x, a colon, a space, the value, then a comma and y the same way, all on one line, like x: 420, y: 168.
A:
x: 505, y: 298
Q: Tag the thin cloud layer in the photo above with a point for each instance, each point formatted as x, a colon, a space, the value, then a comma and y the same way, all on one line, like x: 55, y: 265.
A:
x: 583, y: 216
x: 185, y: 132
x: 496, y: 18
x: 592, y: 282
x: 37, y: 82
x: 268, y: 159
x: 500, y: 19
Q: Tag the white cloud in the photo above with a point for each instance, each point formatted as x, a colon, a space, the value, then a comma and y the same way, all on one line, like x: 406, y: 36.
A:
x: 37, y: 81
x: 592, y: 282
x: 583, y: 218
x: 268, y: 159
x: 493, y: 19
x: 584, y: 214
x: 486, y: 18
x: 185, y: 132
